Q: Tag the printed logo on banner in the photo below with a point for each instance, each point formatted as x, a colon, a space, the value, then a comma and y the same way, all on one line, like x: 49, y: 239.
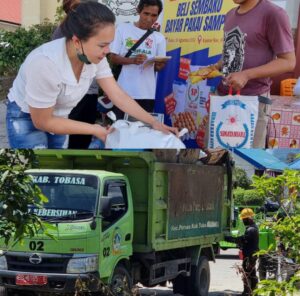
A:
x: 223, y: 133
x: 170, y: 104
x: 184, y: 68
x: 193, y: 94
x: 232, y: 122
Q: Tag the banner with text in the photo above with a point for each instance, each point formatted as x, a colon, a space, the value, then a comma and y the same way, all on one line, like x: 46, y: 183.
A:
x: 194, y: 34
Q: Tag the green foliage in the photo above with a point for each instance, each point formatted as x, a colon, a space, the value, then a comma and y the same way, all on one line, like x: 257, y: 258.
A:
x: 286, y: 190
x: 16, y: 192
x: 276, y: 288
x: 268, y: 186
x: 288, y: 230
x: 15, y: 46
x: 247, y: 197
x: 241, y: 178
x: 285, y: 185
x: 60, y: 14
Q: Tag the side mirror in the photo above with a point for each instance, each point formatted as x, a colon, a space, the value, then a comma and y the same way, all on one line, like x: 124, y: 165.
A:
x: 109, y: 204
x: 105, y: 206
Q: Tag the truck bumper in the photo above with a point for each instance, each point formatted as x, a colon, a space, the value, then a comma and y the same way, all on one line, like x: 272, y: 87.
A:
x: 57, y: 283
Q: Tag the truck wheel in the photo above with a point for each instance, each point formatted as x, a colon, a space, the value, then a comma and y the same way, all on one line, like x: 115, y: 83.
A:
x: 195, y: 285
x: 200, y: 278
x: 121, y: 281
x: 180, y: 285
x: 217, y: 249
x: 3, y: 291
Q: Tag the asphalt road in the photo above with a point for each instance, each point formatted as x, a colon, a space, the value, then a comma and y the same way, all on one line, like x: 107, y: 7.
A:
x: 224, y: 279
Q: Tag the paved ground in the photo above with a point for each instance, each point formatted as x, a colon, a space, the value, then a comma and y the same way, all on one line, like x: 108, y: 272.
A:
x: 3, y: 138
x: 224, y: 279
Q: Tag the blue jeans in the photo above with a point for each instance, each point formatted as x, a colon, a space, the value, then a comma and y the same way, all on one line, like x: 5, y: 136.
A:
x: 22, y: 133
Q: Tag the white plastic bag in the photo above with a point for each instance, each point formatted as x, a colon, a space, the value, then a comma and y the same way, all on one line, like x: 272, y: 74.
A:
x: 137, y: 135
x: 232, y: 121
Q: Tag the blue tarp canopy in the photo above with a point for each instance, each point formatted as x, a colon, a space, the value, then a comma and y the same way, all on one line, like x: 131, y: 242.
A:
x: 261, y: 159
x: 295, y: 165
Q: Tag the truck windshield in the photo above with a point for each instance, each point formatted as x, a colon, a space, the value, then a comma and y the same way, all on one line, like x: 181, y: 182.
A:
x: 70, y: 196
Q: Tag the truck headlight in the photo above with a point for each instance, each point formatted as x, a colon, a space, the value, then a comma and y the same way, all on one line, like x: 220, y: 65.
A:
x: 3, y: 262
x: 83, y: 264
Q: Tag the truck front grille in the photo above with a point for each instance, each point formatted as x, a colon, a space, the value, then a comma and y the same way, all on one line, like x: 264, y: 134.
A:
x: 51, y: 263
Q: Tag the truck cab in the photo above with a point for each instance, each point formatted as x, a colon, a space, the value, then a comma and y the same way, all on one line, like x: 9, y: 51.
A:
x: 85, y: 234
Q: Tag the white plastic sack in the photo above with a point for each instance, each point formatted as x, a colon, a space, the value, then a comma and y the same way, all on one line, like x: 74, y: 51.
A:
x: 135, y: 135
x: 232, y: 121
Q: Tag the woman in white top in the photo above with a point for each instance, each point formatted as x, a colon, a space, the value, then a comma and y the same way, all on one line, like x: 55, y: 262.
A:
x: 55, y: 77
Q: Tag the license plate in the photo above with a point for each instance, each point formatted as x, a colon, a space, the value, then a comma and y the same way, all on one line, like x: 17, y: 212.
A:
x: 31, y: 280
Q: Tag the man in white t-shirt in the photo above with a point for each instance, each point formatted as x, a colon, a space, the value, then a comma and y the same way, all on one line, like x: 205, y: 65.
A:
x: 139, y: 81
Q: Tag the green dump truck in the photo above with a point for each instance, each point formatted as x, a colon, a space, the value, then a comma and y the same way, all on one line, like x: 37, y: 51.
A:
x: 121, y: 218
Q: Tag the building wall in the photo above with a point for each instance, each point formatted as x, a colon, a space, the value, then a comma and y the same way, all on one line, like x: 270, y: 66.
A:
x: 36, y: 11
x: 245, y: 165
x: 10, y: 11
x: 48, y: 9
x: 292, y: 9
x: 30, y: 12
x: 8, y: 27
x: 293, y: 12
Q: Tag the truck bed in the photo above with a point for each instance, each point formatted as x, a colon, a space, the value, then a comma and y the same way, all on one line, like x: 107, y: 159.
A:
x: 175, y: 204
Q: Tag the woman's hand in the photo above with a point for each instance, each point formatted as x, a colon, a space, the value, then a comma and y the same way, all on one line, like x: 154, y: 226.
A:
x: 164, y: 128
x: 102, y: 132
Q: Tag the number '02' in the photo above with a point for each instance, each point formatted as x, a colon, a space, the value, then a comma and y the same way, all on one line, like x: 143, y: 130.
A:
x: 36, y: 246
x: 106, y: 252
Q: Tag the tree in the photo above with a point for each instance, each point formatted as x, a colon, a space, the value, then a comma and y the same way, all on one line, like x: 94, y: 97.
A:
x: 17, y: 191
x: 286, y: 228
x: 15, y: 46
x: 281, y: 188
x: 244, y: 197
x: 241, y: 178
x: 60, y: 14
